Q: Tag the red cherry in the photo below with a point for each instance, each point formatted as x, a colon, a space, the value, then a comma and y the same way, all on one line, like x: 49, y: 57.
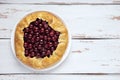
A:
x: 40, y: 40
x: 52, y: 33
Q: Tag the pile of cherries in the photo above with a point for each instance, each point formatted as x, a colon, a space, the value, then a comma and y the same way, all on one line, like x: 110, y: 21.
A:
x: 40, y: 40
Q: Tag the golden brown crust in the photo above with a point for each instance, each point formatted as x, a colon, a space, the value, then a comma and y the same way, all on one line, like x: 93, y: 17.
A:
x: 56, y: 24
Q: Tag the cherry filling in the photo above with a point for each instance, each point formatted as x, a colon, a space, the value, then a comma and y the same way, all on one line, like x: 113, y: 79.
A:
x: 40, y: 40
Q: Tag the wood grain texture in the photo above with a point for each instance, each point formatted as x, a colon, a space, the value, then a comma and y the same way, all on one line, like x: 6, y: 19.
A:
x: 90, y: 59
x: 86, y: 56
x: 62, y: 2
x: 84, y: 21
x: 60, y: 77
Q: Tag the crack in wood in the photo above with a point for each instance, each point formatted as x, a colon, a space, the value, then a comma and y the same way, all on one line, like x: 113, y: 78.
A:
x: 115, y: 18
x: 104, y: 64
x: 4, y: 29
x: 87, y: 41
x: 3, y: 15
x: 76, y: 36
x: 10, y: 11
x: 80, y: 51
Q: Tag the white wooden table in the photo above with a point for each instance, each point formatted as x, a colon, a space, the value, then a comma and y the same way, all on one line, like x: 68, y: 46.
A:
x: 95, y: 29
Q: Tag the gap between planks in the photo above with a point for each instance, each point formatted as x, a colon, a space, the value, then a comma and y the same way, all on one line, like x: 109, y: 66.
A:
x: 60, y: 74
x: 63, y: 3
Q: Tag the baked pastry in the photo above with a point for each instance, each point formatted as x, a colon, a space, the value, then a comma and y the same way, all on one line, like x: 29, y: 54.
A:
x: 41, y: 39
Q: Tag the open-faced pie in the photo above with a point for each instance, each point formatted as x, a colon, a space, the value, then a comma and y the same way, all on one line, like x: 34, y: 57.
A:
x: 40, y: 40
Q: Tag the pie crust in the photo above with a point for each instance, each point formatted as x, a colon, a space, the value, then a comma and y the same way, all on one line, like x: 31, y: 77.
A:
x: 57, y: 24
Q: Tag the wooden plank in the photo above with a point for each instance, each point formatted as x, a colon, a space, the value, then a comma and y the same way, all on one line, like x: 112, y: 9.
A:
x: 60, y: 77
x: 61, y: 1
x: 86, y: 56
x: 84, y: 21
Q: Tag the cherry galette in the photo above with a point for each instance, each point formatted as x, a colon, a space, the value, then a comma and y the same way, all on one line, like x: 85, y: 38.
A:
x: 41, y: 39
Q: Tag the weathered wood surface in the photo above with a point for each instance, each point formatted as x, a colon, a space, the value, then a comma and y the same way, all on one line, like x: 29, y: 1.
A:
x: 62, y: 2
x: 86, y: 56
x: 95, y: 29
x: 84, y: 21
x: 60, y: 77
